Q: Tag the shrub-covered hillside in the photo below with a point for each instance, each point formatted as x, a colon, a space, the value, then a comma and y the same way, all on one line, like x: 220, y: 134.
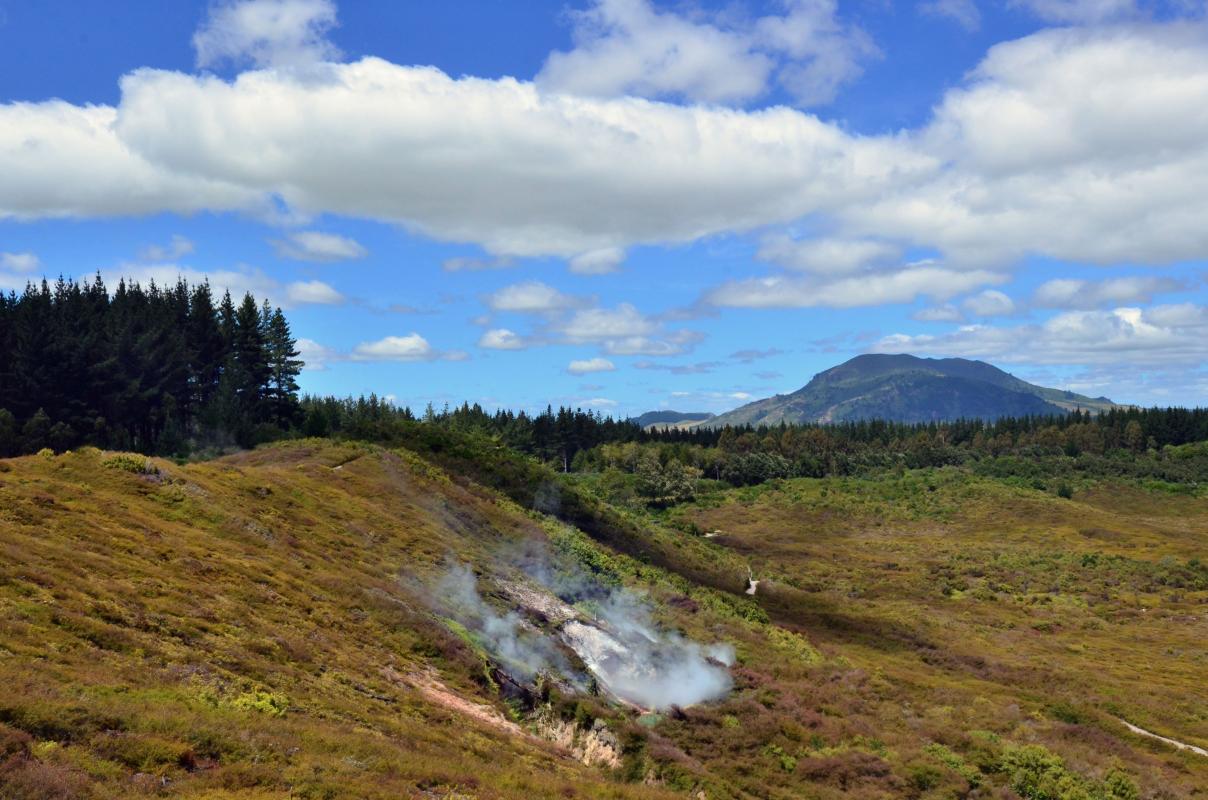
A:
x: 280, y: 623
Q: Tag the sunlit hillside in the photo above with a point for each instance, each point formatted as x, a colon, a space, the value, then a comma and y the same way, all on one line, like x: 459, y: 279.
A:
x: 280, y: 624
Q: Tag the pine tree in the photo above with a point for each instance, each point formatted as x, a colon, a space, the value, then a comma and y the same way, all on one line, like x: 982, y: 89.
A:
x: 284, y: 368
x: 206, y: 345
x: 251, y: 360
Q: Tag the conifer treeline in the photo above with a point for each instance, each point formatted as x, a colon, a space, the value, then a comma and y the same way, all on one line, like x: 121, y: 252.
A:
x: 565, y: 436
x: 158, y: 370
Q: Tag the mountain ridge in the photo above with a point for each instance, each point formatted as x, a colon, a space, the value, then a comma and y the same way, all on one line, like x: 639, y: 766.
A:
x: 907, y: 388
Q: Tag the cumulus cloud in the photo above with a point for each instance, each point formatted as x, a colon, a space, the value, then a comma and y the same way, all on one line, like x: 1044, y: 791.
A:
x: 989, y: 303
x: 962, y: 12
x: 826, y: 255
x: 900, y: 286
x: 501, y: 339
x: 1081, y: 294
x: 595, y: 324
x: 316, y: 357
x: 318, y: 246
x: 315, y: 292
x: 412, y: 347
x: 19, y: 262
x: 1171, y: 334
x: 498, y: 162
x: 63, y: 160
x: 628, y: 47
x: 598, y: 262
x: 238, y: 282
x: 589, y: 365
x: 267, y: 33
x: 1077, y: 144
x: 177, y: 247
x: 531, y: 297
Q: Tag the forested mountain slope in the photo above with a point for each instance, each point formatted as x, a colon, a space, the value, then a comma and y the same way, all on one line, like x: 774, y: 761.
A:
x: 904, y: 388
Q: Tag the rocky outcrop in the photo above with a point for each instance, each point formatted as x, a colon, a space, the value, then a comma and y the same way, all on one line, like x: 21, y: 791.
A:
x: 596, y: 745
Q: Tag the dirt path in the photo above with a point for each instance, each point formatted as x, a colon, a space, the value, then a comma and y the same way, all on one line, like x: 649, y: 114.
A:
x: 1173, y: 742
x: 427, y: 684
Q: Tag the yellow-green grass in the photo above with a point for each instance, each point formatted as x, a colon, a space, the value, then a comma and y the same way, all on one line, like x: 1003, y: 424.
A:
x: 223, y: 629
x: 979, y: 600
x: 237, y: 628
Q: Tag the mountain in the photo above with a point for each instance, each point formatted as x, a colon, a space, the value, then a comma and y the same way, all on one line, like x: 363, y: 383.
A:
x: 906, y: 388
x: 671, y: 419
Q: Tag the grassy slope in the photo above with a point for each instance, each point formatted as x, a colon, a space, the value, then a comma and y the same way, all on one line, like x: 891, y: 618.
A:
x: 989, y: 606
x: 236, y: 627
x: 159, y: 626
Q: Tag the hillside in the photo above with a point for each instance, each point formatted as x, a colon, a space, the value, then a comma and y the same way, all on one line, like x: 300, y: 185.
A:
x: 905, y: 388
x: 324, y: 620
x: 671, y: 419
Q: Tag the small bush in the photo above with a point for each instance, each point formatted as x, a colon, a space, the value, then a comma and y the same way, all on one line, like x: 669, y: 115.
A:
x: 35, y: 780
x: 924, y: 776
x: 139, y: 465
x: 144, y: 753
x: 263, y: 702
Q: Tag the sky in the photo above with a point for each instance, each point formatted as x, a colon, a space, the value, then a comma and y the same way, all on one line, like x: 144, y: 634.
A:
x: 630, y: 205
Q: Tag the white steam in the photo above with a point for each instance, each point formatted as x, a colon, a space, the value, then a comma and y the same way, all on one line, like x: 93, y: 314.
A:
x: 614, y: 636
x: 522, y: 649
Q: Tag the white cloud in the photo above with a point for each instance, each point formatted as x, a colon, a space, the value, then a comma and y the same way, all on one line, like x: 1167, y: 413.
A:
x: 598, y: 262
x: 1080, y: 294
x: 826, y: 255
x: 628, y: 47
x: 595, y: 324
x: 316, y: 356
x: 19, y: 262
x: 497, y: 162
x: 901, y: 286
x: 962, y: 12
x: 412, y: 347
x: 531, y: 297
x: 1076, y: 144
x: 587, y: 366
x: 989, y: 303
x: 237, y: 281
x: 178, y: 247
x: 267, y: 33
x: 62, y: 160
x: 1163, y: 335
x: 601, y: 402
x: 502, y: 339
x: 312, y: 292
x: 318, y: 246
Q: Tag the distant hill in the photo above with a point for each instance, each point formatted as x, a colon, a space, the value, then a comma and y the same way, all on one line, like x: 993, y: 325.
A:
x: 906, y: 388
x: 672, y: 419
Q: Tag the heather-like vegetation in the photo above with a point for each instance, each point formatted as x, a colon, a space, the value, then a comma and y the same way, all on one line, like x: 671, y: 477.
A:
x: 258, y: 626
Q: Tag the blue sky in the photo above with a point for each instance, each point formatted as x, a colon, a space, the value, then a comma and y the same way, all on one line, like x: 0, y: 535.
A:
x: 632, y: 205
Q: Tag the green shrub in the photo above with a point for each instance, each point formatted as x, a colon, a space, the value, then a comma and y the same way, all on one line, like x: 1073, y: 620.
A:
x: 262, y: 701
x: 924, y: 776
x: 128, y: 462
